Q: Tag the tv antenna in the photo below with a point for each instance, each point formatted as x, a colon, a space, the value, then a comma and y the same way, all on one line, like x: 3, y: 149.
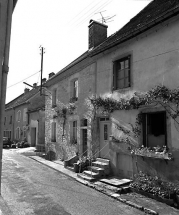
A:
x: 105, y: 19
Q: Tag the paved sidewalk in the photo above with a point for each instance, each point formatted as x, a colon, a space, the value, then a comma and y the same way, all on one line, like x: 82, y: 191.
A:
x: 149, y: 206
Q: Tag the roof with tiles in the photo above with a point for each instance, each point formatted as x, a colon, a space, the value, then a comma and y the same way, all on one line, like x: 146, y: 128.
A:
x: 155, y: 12
x: 23, y: 98
x: 37, y: 103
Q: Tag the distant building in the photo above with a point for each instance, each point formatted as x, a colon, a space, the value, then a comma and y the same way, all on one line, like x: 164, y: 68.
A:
x: 24, y: 120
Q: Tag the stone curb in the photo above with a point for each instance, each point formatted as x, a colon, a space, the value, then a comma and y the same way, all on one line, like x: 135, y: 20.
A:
x: 110, y: 194
x: 117, y: 197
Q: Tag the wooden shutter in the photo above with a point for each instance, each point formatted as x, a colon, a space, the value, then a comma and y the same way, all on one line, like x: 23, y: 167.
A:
x: 144, y: 129
x: 114, y: 87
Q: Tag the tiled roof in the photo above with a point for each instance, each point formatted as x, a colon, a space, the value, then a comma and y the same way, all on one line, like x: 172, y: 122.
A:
x: 77, y: 60
x: 152, y: 14
x: 22, y: 98
x: 37, y: 103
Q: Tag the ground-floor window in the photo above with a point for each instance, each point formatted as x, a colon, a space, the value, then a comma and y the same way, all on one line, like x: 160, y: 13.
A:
x: 154, y: 129
x: 18, y: 133
x: 53, y: 132
x: 74, y: 132
x: 7, y: 134
x: 24, y: 131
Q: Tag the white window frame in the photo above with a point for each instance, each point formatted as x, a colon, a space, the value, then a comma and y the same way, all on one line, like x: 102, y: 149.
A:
x: 18, y: 116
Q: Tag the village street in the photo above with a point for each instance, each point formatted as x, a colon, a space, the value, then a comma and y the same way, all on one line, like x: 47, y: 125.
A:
x: 29, y: 187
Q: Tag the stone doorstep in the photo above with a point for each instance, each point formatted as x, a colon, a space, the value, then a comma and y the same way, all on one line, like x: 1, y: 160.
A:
x: 85, y: 177
x: 116, y: 182
x: 102, y: 160
x: 96, y: 169
x: 91, y: 174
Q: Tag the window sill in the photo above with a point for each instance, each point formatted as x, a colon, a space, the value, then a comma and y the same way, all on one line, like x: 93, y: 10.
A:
x: 155, y: 155
x: 122, y: 90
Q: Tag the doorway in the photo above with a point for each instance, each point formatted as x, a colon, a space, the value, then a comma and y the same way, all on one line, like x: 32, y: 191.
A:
x: 85, y: 141
x: 33, y: 136
x: 104, y: 137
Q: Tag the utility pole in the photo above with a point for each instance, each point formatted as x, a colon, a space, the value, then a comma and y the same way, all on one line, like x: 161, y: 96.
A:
x: 6, y: 11
x: 42, y: 53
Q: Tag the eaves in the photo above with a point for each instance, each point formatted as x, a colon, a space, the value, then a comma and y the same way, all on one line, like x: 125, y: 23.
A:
x: 70, y: 71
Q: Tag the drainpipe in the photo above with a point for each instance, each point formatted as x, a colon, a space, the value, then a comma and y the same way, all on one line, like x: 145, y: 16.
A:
x: 4, y: 68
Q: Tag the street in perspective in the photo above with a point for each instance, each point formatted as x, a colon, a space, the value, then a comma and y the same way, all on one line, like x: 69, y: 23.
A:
x: 89, y: 107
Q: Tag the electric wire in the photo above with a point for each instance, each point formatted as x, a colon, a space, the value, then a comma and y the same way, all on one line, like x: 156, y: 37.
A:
x: 22, y: 80
x: 83, y: 10
x: 99, y: 8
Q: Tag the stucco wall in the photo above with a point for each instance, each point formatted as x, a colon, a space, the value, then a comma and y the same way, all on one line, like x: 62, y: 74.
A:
x: 154, y: 61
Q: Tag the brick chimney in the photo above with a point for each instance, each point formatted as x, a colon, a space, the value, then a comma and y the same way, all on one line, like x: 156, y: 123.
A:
x: 44, y: 80
x: 34, y: 85
x: 51, y: 74
x: 26, y: 90
x: 97, y: 33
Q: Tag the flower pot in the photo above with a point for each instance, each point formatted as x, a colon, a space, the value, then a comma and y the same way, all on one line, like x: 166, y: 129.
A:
x: 76, y: 167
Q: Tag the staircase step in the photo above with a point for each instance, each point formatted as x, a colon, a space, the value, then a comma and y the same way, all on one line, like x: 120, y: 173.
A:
x: 85, y: 177
x: 71, y: 168
x: 108, y: 187
x: 116, y: 182
x: 100, y: 164
x: 96, y: 169
x: 91, y: 174
x: 103, y: 160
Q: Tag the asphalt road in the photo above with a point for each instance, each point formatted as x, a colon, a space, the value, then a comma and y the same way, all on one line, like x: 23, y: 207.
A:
x: 29, y: 187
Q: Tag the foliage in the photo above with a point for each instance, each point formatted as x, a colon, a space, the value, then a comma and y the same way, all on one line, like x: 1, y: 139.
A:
x: 159, y: 94
x: 63, y: 110
x: 154, y: 185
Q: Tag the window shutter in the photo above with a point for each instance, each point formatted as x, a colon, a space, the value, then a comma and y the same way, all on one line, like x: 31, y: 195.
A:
x: 114, y: 87
x: 144, y: 128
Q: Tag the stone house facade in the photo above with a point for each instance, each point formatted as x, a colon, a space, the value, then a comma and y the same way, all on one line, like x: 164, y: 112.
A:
x: 138, y: 57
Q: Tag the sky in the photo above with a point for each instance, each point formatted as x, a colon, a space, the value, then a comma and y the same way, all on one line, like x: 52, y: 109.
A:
x: 61, y: 27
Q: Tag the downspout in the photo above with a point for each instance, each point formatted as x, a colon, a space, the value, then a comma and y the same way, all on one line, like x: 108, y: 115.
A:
x: 5, y: 69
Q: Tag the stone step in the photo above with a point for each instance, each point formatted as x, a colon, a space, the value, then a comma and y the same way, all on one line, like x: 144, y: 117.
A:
x: 103, y: 166
x: 96, y: 169
x: 108, y: 187
x: 103, y: 160
x: 100, y: 164
x: 85, y: 177
x: 91, y: 174
x: 116, y: 182
x: 71, y: 168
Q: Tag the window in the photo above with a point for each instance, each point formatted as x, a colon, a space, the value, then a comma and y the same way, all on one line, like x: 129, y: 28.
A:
x: 75, y: 89
x: 54, y: 98
x: 17, y: 133
x: 10, y: 121
x: 4, y: 120
x: 74, y: 132
x: 18, y: 115
x: 25, y: 115
x: 53, y: 132
x: 121, y: 73
x: 154, y: 129
x: 7, y: 134
x: 84, y: 122
x: 24, y: 131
